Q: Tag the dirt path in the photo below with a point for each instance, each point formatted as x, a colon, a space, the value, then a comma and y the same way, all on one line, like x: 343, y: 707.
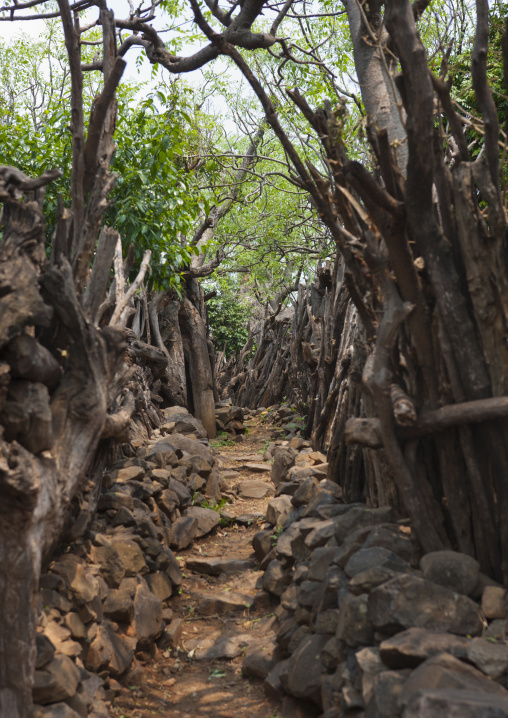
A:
x: 190, y: 679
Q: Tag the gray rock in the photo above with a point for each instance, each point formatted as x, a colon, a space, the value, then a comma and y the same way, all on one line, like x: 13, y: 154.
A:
x: 224, y: 648
x: 57, y: 681
x: 494, y: 602
x: 119, y: 603
x: 146, y: 623
x: 456, y: 704
x: 183, y: 531
x: 218, y: 566
x: 305, y: 669
x: 207, y: 519
x: 451, y: 569
x: 109, y: 651
x: 377, y: 556
x: 273, y: 682
x: 361, y: 516
x: 254, y: 489
x: 444, y: 672
x: 284, y: 544
x: 320, y: 561
x: 130, y: 555
x: 262, y: 543
x: 490, y: 657
x: 276, y: 579
x: 393, y: 537
x: 82, y: 583
x: 300, y: 708
x: 386, y: 688
x: 319, y: 536
x: 409, y: 600
x: 410, y: 648
x: 283, y: 459
x: 278, y: 510
x: 365, y: 581
x: 56, y: 710
x: 111, y: 565
x: 179, y: 444
x: 160, y: 584
x: 354, y: 625
x: 258, y: 664
x: 305, y: 492
x: 45, y: 650
x: 225, y: 603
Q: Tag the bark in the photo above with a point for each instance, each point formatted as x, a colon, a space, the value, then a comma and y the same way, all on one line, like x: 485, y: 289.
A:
x: 197, y: 358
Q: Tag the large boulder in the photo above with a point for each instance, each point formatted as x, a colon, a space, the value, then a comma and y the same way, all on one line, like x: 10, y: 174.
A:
x: 451, y: 569
x: 409, y: 600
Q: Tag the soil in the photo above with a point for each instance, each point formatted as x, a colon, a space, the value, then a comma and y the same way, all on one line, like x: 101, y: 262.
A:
x: 172, y: 683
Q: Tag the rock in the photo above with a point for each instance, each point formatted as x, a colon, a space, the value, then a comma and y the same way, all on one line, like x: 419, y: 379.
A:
x: 275, y: 578
x: 361, y: 516
x: 323, y: 532
x: 354, y: 626
x: 273, y: 683
x: 207, y: 519
x: 45, y: 650
x: 119, y: 603
x: 262, y: 543
x: 75, y: 625
x: 83, y: 585
x: 494, y: 600
x: 109, y: 651
x: 174, y: 631
x: 409, y: 600
x: 451, y: 569
x: 183, y: 531
x: 284, y: 542
x: 168, y: 501
x: 375, y: 557
x: 283, y: 460
x: 160, y: 585
x: 365, y: 581
x: 444, y: 672
x: 57, y: 681
x: 162, y: 476
x: 292, y: 708
x: 305, y: 492
x: 392, y: 537
x: 128, y: 473
x: 185, y: 424
x: 254, y: 489
x: 146, y: 622
x: 130, y: 555
x: 491, y: 658
x: 257, y: 468
x: 385, y: 690
x: 305, y: 668
x: 57, y: 710
x: 322, y: 557
x: 258, y: 663
x: 410, y: 648
x: 115, y: 500
x: 110, y: 563
x: 180, y: 444
x: 456, y: 704
x: 124, y: 517
x: 53, y: 599
x: 370, y: 664
x: 221, y: 604
x: 278, y: 509
x: 223, y: 648
x: 218, y: 566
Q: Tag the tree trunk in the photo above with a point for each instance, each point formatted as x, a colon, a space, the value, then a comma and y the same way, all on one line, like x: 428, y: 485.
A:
x: 198, y: 362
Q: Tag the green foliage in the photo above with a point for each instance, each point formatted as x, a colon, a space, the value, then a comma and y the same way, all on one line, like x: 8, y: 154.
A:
x: 153, y: 202
x: 228, y: 316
